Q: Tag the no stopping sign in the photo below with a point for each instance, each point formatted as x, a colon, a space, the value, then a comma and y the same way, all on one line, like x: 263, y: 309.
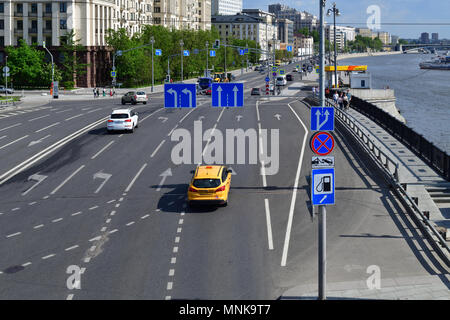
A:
x: 322, y: 143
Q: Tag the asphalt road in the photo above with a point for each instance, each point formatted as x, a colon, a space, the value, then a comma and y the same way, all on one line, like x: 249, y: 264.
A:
x: 114, y: 206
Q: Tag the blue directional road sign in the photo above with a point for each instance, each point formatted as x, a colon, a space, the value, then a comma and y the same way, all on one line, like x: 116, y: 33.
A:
x: 282, y: 72
x: 322, y: 118
x: 158, y: 52
x: 322, y: 186
x: 227, y: 94
x: 267, y: 79
x: 289, y: 48
x: 212, y: 53
x: 246, y: 50
x: 180, y: 95
x: 186, y: 53
x: 241, y: 52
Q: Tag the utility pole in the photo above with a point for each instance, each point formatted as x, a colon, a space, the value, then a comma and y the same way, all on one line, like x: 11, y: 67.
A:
x: 6, y: 78
x: 225, y: 48
x: 322, y: 210
x: 182, y: 53
x: 207, y: 54
x: 335, y: 12
x: 152, y: 41
x: 53, y: 67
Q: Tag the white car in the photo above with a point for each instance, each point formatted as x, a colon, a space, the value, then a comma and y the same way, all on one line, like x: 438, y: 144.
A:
x: 281, y: 80
x: 295, y: 70
x: 122, y: 119
x: 134, y: 97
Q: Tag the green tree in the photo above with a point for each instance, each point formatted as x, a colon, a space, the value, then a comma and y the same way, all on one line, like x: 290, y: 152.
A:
x: 71, y: 64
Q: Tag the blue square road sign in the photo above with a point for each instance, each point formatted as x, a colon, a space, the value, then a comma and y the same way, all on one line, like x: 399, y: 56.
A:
x: 322, y: 118
x: 322, y: 186
x: 180, y: 95
x: 227, y: 94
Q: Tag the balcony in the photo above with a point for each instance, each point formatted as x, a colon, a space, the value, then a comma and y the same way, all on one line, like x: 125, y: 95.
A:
x: 32, y: 30
x: 45, y: 31
x: 18, y: 30
x: 18, y: 14
x: 32, y: 14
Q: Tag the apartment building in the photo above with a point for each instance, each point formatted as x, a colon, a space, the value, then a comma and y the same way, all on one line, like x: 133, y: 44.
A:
x: 300, y: 19
x: 182, y: 14
x: 303, y: 46
x: 343, y: 35
x: 226, y: 7
x: 285, y: 31
x: 251, y: 24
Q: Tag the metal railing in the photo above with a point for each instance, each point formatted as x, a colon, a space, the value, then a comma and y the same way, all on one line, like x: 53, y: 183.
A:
x: 390, y: 169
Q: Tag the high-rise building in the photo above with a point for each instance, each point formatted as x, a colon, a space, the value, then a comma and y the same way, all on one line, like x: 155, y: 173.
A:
x: 300, y: 19
x: 226, y: 7
x: 425, y: 37
x: 285, y: 31
x: 435, y: 37
x: 343, y: 35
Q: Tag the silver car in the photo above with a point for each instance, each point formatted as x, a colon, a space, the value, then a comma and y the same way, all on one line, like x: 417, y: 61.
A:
x: 134, y: 97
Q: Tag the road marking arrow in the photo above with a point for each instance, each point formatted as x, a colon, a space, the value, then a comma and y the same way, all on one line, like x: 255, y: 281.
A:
x: 164, y: 119
x: 188, y: 92
x: 164, y: 175
x: 35, y: 177
x: 277, y: 116
x: 200, y: 118
x: 101, y: 175
x: 238, y: 117
x: 171, y: 91
x: 32, y: 143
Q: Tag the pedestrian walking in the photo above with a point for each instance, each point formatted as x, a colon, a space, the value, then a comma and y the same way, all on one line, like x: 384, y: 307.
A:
x: 349, y: 98
x: 335, y: 97
x: 110, y: 92
x: 314, y: 91
x: 95, y: 92
x: 340, y: 101
x: 98, y: 92
x: 345, y: 101
x: 104, y: 92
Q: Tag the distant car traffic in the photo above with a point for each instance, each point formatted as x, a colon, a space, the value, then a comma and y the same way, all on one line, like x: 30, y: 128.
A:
x: 256, y: 92
x: 6, y: 91
x: 134, y: 97
x: 295, y: 70
x: 281, y: 81
x: 210, y: 185
x: 289, y: 77
x: 122, y: 119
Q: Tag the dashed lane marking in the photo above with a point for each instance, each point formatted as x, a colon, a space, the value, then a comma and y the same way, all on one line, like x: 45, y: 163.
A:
x: 67, y: 179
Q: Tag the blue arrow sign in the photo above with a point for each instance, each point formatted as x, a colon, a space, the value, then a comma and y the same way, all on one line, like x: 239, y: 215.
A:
x: 246, y: 50
x: 227, y: 94
x: 282, y: 72
x: 322, y: 118
x: 186, y: 53
x: 241, y: 52
x: 212, y: 53
x: 158, y: 52
x: 322, y: 186
x: 289, y: 48
x: 267, y: 79
x: 274, y: 69
x: 113, y: 74
x: 180, y: 95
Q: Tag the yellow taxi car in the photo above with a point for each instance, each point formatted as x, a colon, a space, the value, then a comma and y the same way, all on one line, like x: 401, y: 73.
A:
x: 210, y: 185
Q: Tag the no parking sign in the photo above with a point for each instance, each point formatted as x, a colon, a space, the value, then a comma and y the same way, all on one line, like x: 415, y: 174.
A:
x: 322, y: 143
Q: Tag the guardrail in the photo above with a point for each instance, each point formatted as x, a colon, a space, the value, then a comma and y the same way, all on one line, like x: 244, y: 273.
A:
x: 427, y: 151
x: 390, y: 169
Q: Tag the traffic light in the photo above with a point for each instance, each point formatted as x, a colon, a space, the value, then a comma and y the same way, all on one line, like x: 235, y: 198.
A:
x: 217, y: 44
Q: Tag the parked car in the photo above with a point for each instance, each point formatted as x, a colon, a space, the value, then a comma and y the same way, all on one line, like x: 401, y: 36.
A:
x: 134, y: 97
x: 3, y: 90
x: 256, y: 92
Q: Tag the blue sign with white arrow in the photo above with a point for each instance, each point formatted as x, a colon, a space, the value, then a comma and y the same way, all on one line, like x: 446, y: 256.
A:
x: 241, y: 52
x: 227, y: 94
x: 180, y: 95
x: 322, y: 118
x: 212, y: 53
x: 322, y: 186
x: 267, y: 79
x: 289, y: 48
x: 158, y: 52
x: 186, y: 53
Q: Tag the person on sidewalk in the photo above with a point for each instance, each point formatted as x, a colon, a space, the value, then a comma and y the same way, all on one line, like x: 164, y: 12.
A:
x: 98, y: 92
x: 349, y: 97
x: 95, y: 92
x: 335, y: 97
x: 340, y: 101
x: 345, y: 101
x: 104, y: 92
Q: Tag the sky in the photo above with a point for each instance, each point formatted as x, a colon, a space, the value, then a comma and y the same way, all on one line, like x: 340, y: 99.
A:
x: 414, y: 16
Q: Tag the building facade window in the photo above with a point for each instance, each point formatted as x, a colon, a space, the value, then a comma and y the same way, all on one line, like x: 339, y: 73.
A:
x: 157, y: 10
x: 2, y: 41
x: 34, y: 8
x: 48, y: 8
x: 2, y: 24
x: 33, y: 40
x: 19, y: 25
x: 63, y: 24
x: 63, y: 7
x: 2, y: 7
x: 48, y: 24
x: 19, y: 8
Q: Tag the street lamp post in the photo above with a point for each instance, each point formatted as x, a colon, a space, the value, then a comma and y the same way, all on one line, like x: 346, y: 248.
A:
x: 53, y: 68
x: 152, y: 41
x: 182, y: 53
x: 6, y: 78
x: 207, y: 54
x: 335, y: 12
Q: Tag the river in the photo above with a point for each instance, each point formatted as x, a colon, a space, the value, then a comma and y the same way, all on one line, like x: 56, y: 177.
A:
x: 423, y: 96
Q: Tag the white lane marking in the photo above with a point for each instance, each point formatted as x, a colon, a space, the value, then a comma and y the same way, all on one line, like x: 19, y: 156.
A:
x: 13, y: 234
x: 8, y: 144
x: 180, y: 221
x: 103, y: 229
x: 112, y: 231
x: 135, y: 178
x: 94, y: 207
x: 185, y: 116
x: 15, y: 209
x: 95, y: 239
x: 67, y: 179
x: 176, y: 126
x: 129, y: 223
x: 257, y: 111
x: 84, y: 109
x: 175, y: 249
x: 32, y: 143
x: 52, y: 125
x: 179, y: 230
x: 92, y: 248
x: 64, y: 111
x: 31, y: 203
x: 120, y: 135
x: 157, y: 148
x: 57, y: 220
x: 76, y: 213
x: 168, y: 298
x: 38, y: 226
x: 49, y: 256
x: 94, y: 110
x: 108, y: 220
x: 263, y: 174
x: 173, y: 260
x: 26, y: 264
x: 87, y: 259
x: 101, y: 150
x: 171, y: 272
x: 69, y: 297
x: 78, y: 115
x: 14, y: 125
x: 169, y: 285
x: 177, y: 239
x: 220, y: 115
x: 121, y: 199
x: 111, y: 201
x: 2, y: 137
x: 151, y: 114
x: 47, y: 115
x: 145, y: 216
x: 30, y: 161
x: 71, y: 248
x: 269, y: 225
x: 294, y: 193
x: 113, y: 213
